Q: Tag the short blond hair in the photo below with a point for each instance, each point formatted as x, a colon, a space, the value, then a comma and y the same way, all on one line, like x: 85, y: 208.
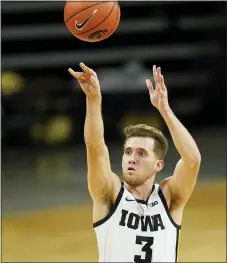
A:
x: 143, y: 130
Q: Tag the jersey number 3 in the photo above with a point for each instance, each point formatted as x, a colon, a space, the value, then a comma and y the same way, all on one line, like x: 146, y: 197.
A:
x: 146, y: 248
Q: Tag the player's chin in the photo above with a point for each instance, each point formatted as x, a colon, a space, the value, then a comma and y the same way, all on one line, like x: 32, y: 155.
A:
x: 131, y: 177
x: 130, y: 173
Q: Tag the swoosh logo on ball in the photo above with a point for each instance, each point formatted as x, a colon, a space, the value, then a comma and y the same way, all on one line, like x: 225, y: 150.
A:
x: 83, y: 24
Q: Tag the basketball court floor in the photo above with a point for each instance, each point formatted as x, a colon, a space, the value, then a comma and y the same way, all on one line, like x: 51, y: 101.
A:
x: 65, y: 234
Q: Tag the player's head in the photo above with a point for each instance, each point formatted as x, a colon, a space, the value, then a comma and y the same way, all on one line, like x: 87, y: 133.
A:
x: 145, y: 148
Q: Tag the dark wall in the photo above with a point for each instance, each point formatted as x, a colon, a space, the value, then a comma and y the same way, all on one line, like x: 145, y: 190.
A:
x: 43, y: 106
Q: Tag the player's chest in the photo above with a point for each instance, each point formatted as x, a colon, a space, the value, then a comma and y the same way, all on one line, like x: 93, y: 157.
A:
x: 137, y: 216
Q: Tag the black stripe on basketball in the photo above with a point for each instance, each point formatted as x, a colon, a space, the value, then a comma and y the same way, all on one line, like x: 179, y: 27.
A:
x: 101, y: 21
x: 99, y: 3
x: 116, y: 19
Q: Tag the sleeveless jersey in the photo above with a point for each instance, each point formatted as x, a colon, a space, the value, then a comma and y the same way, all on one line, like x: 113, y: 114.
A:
x: 138, y: 231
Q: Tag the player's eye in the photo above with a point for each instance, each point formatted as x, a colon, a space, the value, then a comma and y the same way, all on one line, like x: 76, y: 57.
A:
x: 128, y: 152
x: 142, y: 154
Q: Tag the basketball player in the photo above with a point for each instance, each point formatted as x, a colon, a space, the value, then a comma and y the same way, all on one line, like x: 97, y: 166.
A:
x: 137, y: 220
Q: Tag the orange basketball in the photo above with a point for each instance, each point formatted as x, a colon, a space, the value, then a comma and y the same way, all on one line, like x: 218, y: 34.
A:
x: 92, y: 21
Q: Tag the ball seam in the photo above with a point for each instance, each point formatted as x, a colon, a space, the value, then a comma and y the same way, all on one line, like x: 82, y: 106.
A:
x: 81, y: 33
x: 99, y: 3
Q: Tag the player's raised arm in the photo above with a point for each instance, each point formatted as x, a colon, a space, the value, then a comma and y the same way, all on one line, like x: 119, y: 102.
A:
x: 101, y: 180
x: 182, y: 182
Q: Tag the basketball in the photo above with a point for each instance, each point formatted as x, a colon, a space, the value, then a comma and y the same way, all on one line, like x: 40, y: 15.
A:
x: 92, y: 21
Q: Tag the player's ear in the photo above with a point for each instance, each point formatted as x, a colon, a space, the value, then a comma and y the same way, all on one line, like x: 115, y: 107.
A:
x: 159, y: 165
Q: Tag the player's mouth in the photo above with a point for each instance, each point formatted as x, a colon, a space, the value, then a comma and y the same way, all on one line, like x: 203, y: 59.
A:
x: 131, y: 169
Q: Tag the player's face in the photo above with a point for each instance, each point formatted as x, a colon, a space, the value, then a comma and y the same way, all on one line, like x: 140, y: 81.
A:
x: 139, y: 162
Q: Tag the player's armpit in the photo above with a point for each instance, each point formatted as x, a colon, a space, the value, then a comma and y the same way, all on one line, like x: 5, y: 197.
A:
x: 103, y: 184
x: 183, y: 181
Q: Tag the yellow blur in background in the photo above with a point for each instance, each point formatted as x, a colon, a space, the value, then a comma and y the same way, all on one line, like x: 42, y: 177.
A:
x: 11, y: 82
x: 57, y: 130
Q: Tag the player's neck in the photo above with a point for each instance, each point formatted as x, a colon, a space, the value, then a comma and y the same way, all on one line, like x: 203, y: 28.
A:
x: 141, y: 192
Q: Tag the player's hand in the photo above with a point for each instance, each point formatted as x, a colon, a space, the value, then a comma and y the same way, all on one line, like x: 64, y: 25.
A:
x: 88, y: 81
x: 158, y: 96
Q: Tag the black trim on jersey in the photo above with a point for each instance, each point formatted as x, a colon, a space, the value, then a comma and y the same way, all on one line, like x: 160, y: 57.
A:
x: 145, y: 202
x: 177, y: 244
x: 112, y: 210
x: 167, y: 209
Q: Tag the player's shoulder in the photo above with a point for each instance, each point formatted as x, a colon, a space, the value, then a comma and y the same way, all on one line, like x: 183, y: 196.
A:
x: 165, y: 182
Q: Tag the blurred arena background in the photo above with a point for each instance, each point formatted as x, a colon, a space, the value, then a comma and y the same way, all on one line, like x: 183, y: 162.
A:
x: 46, y: 209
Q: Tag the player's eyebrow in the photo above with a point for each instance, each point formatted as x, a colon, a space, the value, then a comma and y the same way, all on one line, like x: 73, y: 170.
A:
x: 138, y: 148
x: 127, y: 148
x: 142, y: 149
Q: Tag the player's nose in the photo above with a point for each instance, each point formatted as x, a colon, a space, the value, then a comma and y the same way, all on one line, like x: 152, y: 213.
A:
x: 132, y: 161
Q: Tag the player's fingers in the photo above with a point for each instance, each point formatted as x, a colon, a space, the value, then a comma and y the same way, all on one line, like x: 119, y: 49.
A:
x: 159, y: 75
x: 77, y: 75
x: 87, y: 70
x: 72, y: 72
x: 149, y: 85
x: 163, y: 86
x: 155, y: 73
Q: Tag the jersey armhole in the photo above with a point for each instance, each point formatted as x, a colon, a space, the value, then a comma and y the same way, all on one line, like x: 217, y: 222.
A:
x: 112, y: 210
x: 162, y: 197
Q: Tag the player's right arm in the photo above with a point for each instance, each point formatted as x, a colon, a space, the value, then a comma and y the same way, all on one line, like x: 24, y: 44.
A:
x: 103, y: 184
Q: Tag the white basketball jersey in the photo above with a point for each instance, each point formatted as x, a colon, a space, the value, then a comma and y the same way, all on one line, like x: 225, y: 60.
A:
x: 138, y: 231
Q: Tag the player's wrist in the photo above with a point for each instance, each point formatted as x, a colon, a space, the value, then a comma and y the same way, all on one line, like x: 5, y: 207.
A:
x: 165, y: 110
x: 97, y: 99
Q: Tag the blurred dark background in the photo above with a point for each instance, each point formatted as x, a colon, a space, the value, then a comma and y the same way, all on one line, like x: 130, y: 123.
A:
x: 43, y: 108
x: 187, y: 39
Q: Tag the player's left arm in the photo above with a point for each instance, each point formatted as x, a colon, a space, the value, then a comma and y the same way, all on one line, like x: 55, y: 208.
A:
x: 183, y: 181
